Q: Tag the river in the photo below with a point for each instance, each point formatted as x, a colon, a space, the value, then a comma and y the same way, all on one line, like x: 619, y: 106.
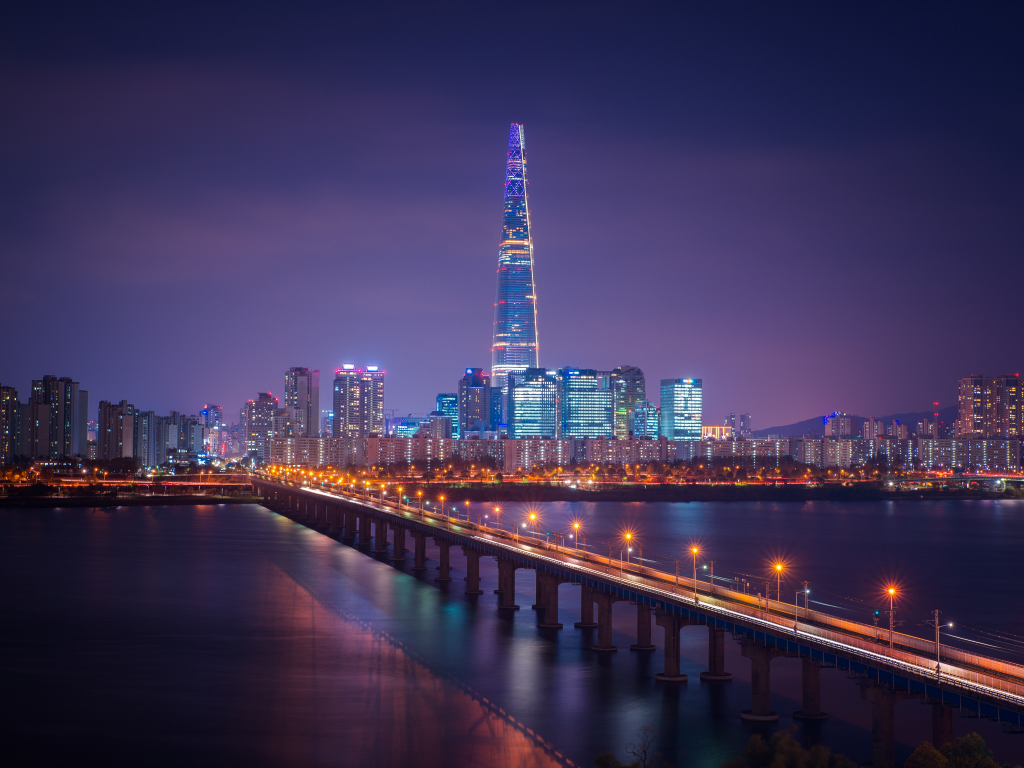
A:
x: 218, y: 634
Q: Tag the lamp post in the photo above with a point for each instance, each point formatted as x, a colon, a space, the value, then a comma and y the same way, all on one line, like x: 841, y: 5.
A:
x: 694, y: 551
x: 778, y: 584
x: 420, y: 494
x: 575, y: 536
x: 938, y: 646
x: 400, y: 489
x: 892, y: 596
x: 467, y: 510
x: 533, y: 521
x: 497, y: 514
x: 443, y: 515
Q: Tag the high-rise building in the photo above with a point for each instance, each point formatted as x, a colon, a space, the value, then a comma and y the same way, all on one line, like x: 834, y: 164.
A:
x: 116, y: 425
x: 448, y: 404
x: 10, y: 424
x: 628, y: 391
x: 990, y: 407
x: 259, y: 426
x: 645, y: 421
x: 1008, y: 416
x: 302, y: 396
x: 586, y: 404
x: 358, y: 401
x: 474, y: 401
x: 838, y: 425
x: 515, y: 307
x: 897, y: 430
x: 682, y: 409
x: 58, y: 417
x: 872, y: 429
x: 533, y: 404
x: 213, y: 415
x: 746, y: 427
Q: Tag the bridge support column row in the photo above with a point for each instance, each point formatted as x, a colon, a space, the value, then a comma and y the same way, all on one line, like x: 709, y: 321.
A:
x: 444, y: 559
x: 643, y: 629
x: 671, y: 623
x: 760, y: 679
x: 604, y: 601
x: 810, y: 675
x: 716, y: 656
x: 942, y: 725
x: 547, y: 600
x: 507, y: 584
x: 399, y: 551
x: 420, y: 551
x: 380, y: 537
x: 586, y: 608
x: 883, y: 721
x: 472, y: 571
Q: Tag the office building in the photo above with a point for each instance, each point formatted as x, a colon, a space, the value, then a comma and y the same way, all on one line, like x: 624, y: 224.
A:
x: 645, y: 421
x: 10, y: 424
x: 474, y: 402
x: 628, y: 391
x: 358, y: 401
x: 682, y: 409
x: 586, y: 404
x: 514, y: 345
x: 448, y: 404
x: 213, y: 415
x: 259, y: 426
x: 533, y: 405
x: 302, y: 396
x: 745, y: 426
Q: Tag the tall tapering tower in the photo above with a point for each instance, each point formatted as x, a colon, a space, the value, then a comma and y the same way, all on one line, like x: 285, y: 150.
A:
x: 515, y: 308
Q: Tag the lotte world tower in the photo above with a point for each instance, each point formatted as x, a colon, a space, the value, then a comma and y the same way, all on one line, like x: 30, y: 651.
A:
x: 515, y: 307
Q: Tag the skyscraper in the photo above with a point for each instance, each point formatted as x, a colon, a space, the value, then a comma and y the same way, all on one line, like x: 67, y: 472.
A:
x: 515, y: 306
x: 474, y: 402
x: 586, y: 404
x: 259, y: 426
x: 628, y: 390
x: 682, y: 410
x: 10, y: 424
x: 302, y: 396
x: 358, y: 401
x: 448, y: 404
x: 533, y: 405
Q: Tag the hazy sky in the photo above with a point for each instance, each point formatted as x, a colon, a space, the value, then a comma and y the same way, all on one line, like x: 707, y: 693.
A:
x: 810, y: 210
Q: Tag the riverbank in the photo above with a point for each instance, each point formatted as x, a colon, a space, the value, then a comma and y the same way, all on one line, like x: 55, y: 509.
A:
x: 526, y: 492
x: 176, y: 500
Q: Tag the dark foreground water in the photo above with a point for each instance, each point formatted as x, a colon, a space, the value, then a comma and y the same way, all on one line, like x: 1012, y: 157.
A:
x: 217, y: 635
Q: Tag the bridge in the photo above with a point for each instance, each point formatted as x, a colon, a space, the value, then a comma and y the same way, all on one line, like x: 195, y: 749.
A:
x: 950, y: 679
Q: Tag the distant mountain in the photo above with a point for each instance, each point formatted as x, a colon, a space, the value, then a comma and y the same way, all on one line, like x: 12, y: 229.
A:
x: 817, y: 426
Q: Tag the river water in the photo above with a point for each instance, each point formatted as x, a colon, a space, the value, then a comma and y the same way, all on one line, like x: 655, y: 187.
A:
x: 219, y: 634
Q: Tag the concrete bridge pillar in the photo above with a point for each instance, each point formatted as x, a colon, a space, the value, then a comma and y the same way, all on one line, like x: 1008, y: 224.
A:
x: 547, y: 600
x: 671, y: 623
x: 716, y: 656
x: 347, y: 524
x: 811, y: 678
x: 586, y: 609
x: 472, y: 570
x: 380, y: 537
x: 507, y: 584
x: 643, y: 629
x: 760, y: 679
x: 420, y: 558
x: 605, y: 601
x: 942, y: 725
x: 399, y: 551
x: 883, y: 721
x: 332, y: 519
x: 444, y: 546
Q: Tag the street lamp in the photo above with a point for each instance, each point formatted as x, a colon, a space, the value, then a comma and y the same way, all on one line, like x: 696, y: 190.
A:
x: 533, y: 521
x: 467, y: 510
x: 400, y: 489
x: 576, y: 533
x: 778, y: 583
x: 695, y: 551
x: 892, y: 596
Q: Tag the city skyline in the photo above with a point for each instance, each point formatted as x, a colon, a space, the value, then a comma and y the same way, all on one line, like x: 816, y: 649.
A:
x: 681, y: 234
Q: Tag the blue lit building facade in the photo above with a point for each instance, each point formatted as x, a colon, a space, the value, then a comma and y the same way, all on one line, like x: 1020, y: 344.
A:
x: 448, y: 404
x: 514, y: 346
x: 533, y: 404
x: 682, y: 410
x: 645, y: 421
x: 586, y: 404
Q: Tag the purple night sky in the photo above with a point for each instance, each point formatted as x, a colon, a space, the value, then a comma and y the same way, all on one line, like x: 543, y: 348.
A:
x: 810, y: 211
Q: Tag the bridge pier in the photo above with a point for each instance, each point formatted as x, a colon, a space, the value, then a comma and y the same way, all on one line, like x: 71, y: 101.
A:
x: 810, y: 676
x: 586, y: 609
x: 444, y: 567
x: 547, y: 599
x: 348, y: 525
x: 883, y: 721
x: 760, y: 679
x: 472, y: 570
x: 605, y: 601
x: 420, y: 549
x: 507, y: 584
x: 716, y: 657
x: 380, y: 538
x: 942, y: 725
x: 399, y: 552
x: 672, y: 624
x: 643, y: 629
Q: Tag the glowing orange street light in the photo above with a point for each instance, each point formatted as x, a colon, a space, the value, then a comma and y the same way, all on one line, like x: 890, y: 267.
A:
x: 892, y: 596
x: 694, y: 551
x: 778, y: 581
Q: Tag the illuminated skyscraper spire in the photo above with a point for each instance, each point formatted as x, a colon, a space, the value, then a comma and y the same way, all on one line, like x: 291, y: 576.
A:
x: 515, y: 308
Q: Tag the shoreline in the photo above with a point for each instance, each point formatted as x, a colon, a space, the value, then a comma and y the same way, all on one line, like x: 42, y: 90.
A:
x: 55, y: 502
